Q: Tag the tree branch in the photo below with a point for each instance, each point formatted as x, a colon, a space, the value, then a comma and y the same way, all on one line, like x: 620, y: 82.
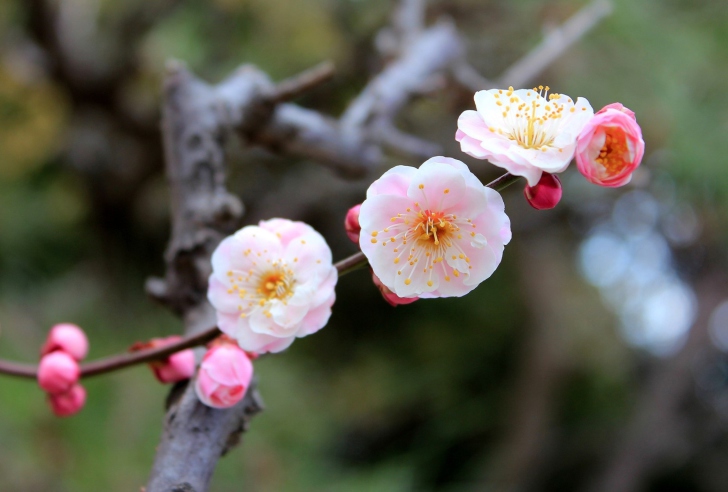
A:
x: 198, y: 119
x: 119, y: 361
x: 302, y: 83
x: 555, y: 44
x: 432, y: 52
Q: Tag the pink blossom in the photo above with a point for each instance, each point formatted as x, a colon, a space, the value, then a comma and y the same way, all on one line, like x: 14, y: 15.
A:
x: 610, y: 147
x: 389, y: 296
x: 351, y: 223
x: 58, y: 372
x: 272, y: 283
x: 224, y: 375
x: 546, y: 194
x: 68, y: 403
x: 177, y: 367
x: 435, y: 231
x: 68, y: 338
x: 526, y: 131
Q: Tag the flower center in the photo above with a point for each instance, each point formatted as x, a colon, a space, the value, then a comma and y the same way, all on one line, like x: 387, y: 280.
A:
x: 615, y: 151
x: 261, y: 285
x: 533, y: 123
x: 275, y: 284
x: 435, y: 227
x: 424, y: 239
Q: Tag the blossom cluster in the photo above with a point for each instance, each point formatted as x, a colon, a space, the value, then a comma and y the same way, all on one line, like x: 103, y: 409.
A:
x: 432, y: 231
x: 59, y: 372
x: 531, y: 133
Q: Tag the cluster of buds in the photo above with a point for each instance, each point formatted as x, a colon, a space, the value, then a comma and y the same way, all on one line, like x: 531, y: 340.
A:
x: 59, y: 371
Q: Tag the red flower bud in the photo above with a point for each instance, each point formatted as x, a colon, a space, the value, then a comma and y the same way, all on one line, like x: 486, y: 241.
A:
x: 68, y: 403
x: 389, y: 296
x: 546, y: 194
x: 351, y: 224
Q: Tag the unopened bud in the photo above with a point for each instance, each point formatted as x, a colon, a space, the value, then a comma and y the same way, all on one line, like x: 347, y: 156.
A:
x: 546, y: 194
x: 224, y: 375
x: 67, y: 403
x: 351, y: 224
x: 174, y: 368
x: 68, y: 338
x: 58, y: 372
x: 389, y: 296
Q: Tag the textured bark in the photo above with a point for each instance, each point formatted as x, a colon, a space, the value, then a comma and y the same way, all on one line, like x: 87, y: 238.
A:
x: 198, y: 119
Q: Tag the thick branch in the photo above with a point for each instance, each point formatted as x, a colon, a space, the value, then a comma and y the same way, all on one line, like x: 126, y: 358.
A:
x: 302, y: 83
x: 432, y: 52
x: 301, y: 132
x: 198, y: 119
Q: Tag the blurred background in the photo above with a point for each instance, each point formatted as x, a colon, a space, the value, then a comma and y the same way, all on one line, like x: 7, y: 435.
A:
x: 593, y: 360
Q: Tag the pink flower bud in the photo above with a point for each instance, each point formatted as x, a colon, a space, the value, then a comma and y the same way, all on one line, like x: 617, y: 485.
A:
x: 58, y: 372
x: 546, y: 194
x: 224, y: 375
x: 68, y: 403
x: 389, y: 296
x: 68, y: 338
x: 177, y: 367
x: 351, y: 224
x: 610, y: 147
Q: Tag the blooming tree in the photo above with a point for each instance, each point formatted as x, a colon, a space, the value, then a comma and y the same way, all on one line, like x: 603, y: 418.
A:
x: 425, y: 232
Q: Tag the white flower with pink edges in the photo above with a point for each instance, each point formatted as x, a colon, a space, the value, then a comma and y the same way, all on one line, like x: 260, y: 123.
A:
x: 435, y: 231
x: 272, y: 283
x: 525, y: 131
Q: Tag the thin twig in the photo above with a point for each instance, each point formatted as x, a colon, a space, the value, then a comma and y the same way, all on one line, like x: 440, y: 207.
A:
x: 125, y: 360
x: 119, y: 361
x: 503, y: 182
x: 467, y: 76
x: 297, y: 85
x: 353, y: 262
x: 555, y: 44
